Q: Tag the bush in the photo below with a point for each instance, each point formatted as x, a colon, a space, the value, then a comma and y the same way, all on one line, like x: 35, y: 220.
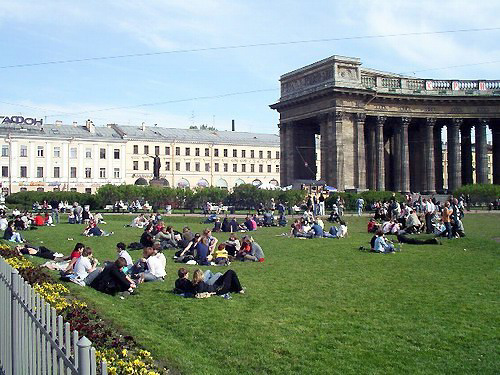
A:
x: 25, y: 199
x: 479, y: 193
x: 369, y: 197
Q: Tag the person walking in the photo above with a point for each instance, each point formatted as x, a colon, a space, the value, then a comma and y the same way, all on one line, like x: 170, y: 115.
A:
x: 359, y: 204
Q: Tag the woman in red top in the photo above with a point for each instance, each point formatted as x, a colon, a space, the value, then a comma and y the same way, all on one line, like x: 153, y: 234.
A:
x: 75, y: 254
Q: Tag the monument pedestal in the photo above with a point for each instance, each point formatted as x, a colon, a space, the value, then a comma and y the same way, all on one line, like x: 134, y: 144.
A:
x: 160, y: 182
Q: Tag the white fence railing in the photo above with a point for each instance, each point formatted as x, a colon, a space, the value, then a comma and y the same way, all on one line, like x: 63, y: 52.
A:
x: 33, y: 338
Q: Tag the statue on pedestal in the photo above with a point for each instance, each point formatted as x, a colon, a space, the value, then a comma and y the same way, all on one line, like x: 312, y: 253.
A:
x: 156, y: 167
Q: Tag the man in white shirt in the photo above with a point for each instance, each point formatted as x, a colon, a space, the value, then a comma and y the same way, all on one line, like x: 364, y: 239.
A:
x: 156, y: 262
x: 122, y: 252
x: 85, y: 267
x: 3, y: 223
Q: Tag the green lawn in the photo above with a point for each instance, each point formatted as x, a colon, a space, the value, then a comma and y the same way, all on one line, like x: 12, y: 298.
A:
x: 318, y: 306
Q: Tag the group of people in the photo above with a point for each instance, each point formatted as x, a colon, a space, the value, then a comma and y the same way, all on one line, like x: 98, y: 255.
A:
x: 251, y: 223
x: 306, y: 227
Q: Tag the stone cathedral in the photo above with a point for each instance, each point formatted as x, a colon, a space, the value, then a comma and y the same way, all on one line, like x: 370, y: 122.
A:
x: 382, y: 131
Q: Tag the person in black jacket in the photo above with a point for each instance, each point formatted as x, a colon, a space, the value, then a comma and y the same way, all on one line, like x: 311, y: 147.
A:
x: 146, y: 237
x: 112, y: 280
x: 183, y: 285
x: 226, y: 283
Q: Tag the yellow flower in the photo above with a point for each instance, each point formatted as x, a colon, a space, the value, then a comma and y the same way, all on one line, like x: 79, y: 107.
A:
x: 124, y: 352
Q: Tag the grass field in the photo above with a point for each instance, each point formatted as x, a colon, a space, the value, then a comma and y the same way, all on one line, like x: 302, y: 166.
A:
x: 318, y: 306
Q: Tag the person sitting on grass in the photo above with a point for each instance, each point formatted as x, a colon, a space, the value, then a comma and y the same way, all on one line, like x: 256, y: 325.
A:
x: 39, y: 220
x: 372, y: 226
x: 11, y: 235
x: 381, y: 245
x: 155, y: 266
x: 92, y: 230
x: 222, y: 285
x: 250, y: 250
x: 166, y: 237
x: 123, y: 253
x: 86, y: 267
x: 188, y: 253
x: 112, y: 280
x: 146, y: 237
x: 203, y: 256
x: 232, y: 244
x: 183, y: 285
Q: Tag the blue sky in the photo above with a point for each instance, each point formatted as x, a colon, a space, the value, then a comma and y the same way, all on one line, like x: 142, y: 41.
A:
x: 38, y: 31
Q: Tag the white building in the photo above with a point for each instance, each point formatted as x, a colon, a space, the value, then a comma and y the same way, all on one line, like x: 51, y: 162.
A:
x: 59, y: 157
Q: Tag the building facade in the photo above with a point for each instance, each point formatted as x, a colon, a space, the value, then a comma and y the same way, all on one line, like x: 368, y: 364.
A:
x: 382, y: 131
x: 61, y: 157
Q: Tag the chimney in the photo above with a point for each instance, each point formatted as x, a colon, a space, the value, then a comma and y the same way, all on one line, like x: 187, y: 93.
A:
x: 75, y: 124
x: 143, y: 126
x: 89, y: 125
x: 232, y: 125
x: 58, y: 122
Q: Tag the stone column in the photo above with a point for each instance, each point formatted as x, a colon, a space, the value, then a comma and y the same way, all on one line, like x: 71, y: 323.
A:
x: 438, y: 159
x: 324, y: 146
x: 466, y: 148
x: 405, y: 156
x: 495, y: 130
x: 283, y: 154
x: 372, y: 160
x: 430, y: 173
x: 481, y: 152
x: 396, y: 157
x: 359, y: 150
x: 338, y: 152
x: 379, y: 152
x: 290, y: 153
x: 454, y: 159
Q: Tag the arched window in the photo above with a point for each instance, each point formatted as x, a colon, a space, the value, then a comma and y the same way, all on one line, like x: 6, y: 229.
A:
x: 238, y: 182
x: 256, y: 182
x: 140, y: 181
x: 221, y: 183
x: 183, y: 183
x: 274, y: 182
x: 202, y: 183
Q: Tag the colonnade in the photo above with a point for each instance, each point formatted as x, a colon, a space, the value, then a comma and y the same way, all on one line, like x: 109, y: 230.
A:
x: 363, y: 151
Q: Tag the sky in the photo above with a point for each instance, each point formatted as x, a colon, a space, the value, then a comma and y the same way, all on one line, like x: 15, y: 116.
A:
x: 176, y: 88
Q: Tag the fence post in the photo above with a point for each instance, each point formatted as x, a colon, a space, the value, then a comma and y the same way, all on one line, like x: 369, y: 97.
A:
x: 84, y: 356
x: 14, y: 278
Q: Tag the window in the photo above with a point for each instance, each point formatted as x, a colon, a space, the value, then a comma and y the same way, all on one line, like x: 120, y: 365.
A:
x: 72, y: 153
x: 102, y: 153
x: 261, y: 154
x: 57, y: 152
x: 88, y: 190
x: 136, y: 149
x: 216, y: 167
x: 102, y: 172
x: 167, y: 150
x: 277, y: 154
x: 225, y: 167
x: 167, y: 165
x: 24, y: 151
x: 116, y: 153
x: 157, y: 150
x: 57, y: 172
x: 39, y: 172
x: 23, y: 189
x: 197, y: 167
x: 197, y: 151
x: 116, y: 172
x: 269, y: 154
x: 88, y: 153
x: 187, y: 151
x: 39, y: 151
x: 252, y: 168
x: 5, y: 150
x: 146, y: 150
x: 207, y: 152
x: 177, y: 151
x: 146, y: 165
x: 207, y: 167
x: 269, y: 169
x: 216, y: 152
x: 261, y: 168
x: 56, y: 189
x: 188, y: 166
x: 72, y: 189
x: 235, y: 167
x: 277, y: 169
x: 24, y: 172
x: 177, y: 166
x: 252, y: 154
x: 72, y: 172
x: 235, y: 153
x: 40, y: 189
x: 5, y: 171
x: 88, y: 172
x: 135, y: 165
x: 243, y: 168
x: 225, y: 152
x: 243, y: 153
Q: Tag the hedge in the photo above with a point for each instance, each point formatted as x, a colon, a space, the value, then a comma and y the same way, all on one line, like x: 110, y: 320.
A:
x: 479, y: 193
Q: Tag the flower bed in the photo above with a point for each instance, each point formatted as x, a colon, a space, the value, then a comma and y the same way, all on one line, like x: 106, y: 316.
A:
x: 120, y: 352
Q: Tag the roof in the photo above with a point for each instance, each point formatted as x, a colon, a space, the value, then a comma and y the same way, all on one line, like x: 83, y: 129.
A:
x: 199, y: 136
x: 59, y: 131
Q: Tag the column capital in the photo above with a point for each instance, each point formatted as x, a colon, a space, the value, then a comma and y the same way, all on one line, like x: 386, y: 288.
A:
x: 381, y: 120
x: 405, y: 121
x: 339, y: 115
x: 483, y: 121
x: 430, y: 121
x: 457, y: 121
x: 359, y: 116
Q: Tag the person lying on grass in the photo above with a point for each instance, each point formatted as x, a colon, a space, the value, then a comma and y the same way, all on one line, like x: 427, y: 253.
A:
x: 216, y: 284
x: 112, y: 280
x: 92, y: 230
x: 39, y: 251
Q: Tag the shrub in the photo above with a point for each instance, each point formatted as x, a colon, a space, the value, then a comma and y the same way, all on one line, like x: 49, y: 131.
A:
x: 369, y: 197
x: 479, y: 193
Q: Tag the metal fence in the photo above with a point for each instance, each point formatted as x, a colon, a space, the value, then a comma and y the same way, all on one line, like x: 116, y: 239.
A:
x: 33, y: 338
